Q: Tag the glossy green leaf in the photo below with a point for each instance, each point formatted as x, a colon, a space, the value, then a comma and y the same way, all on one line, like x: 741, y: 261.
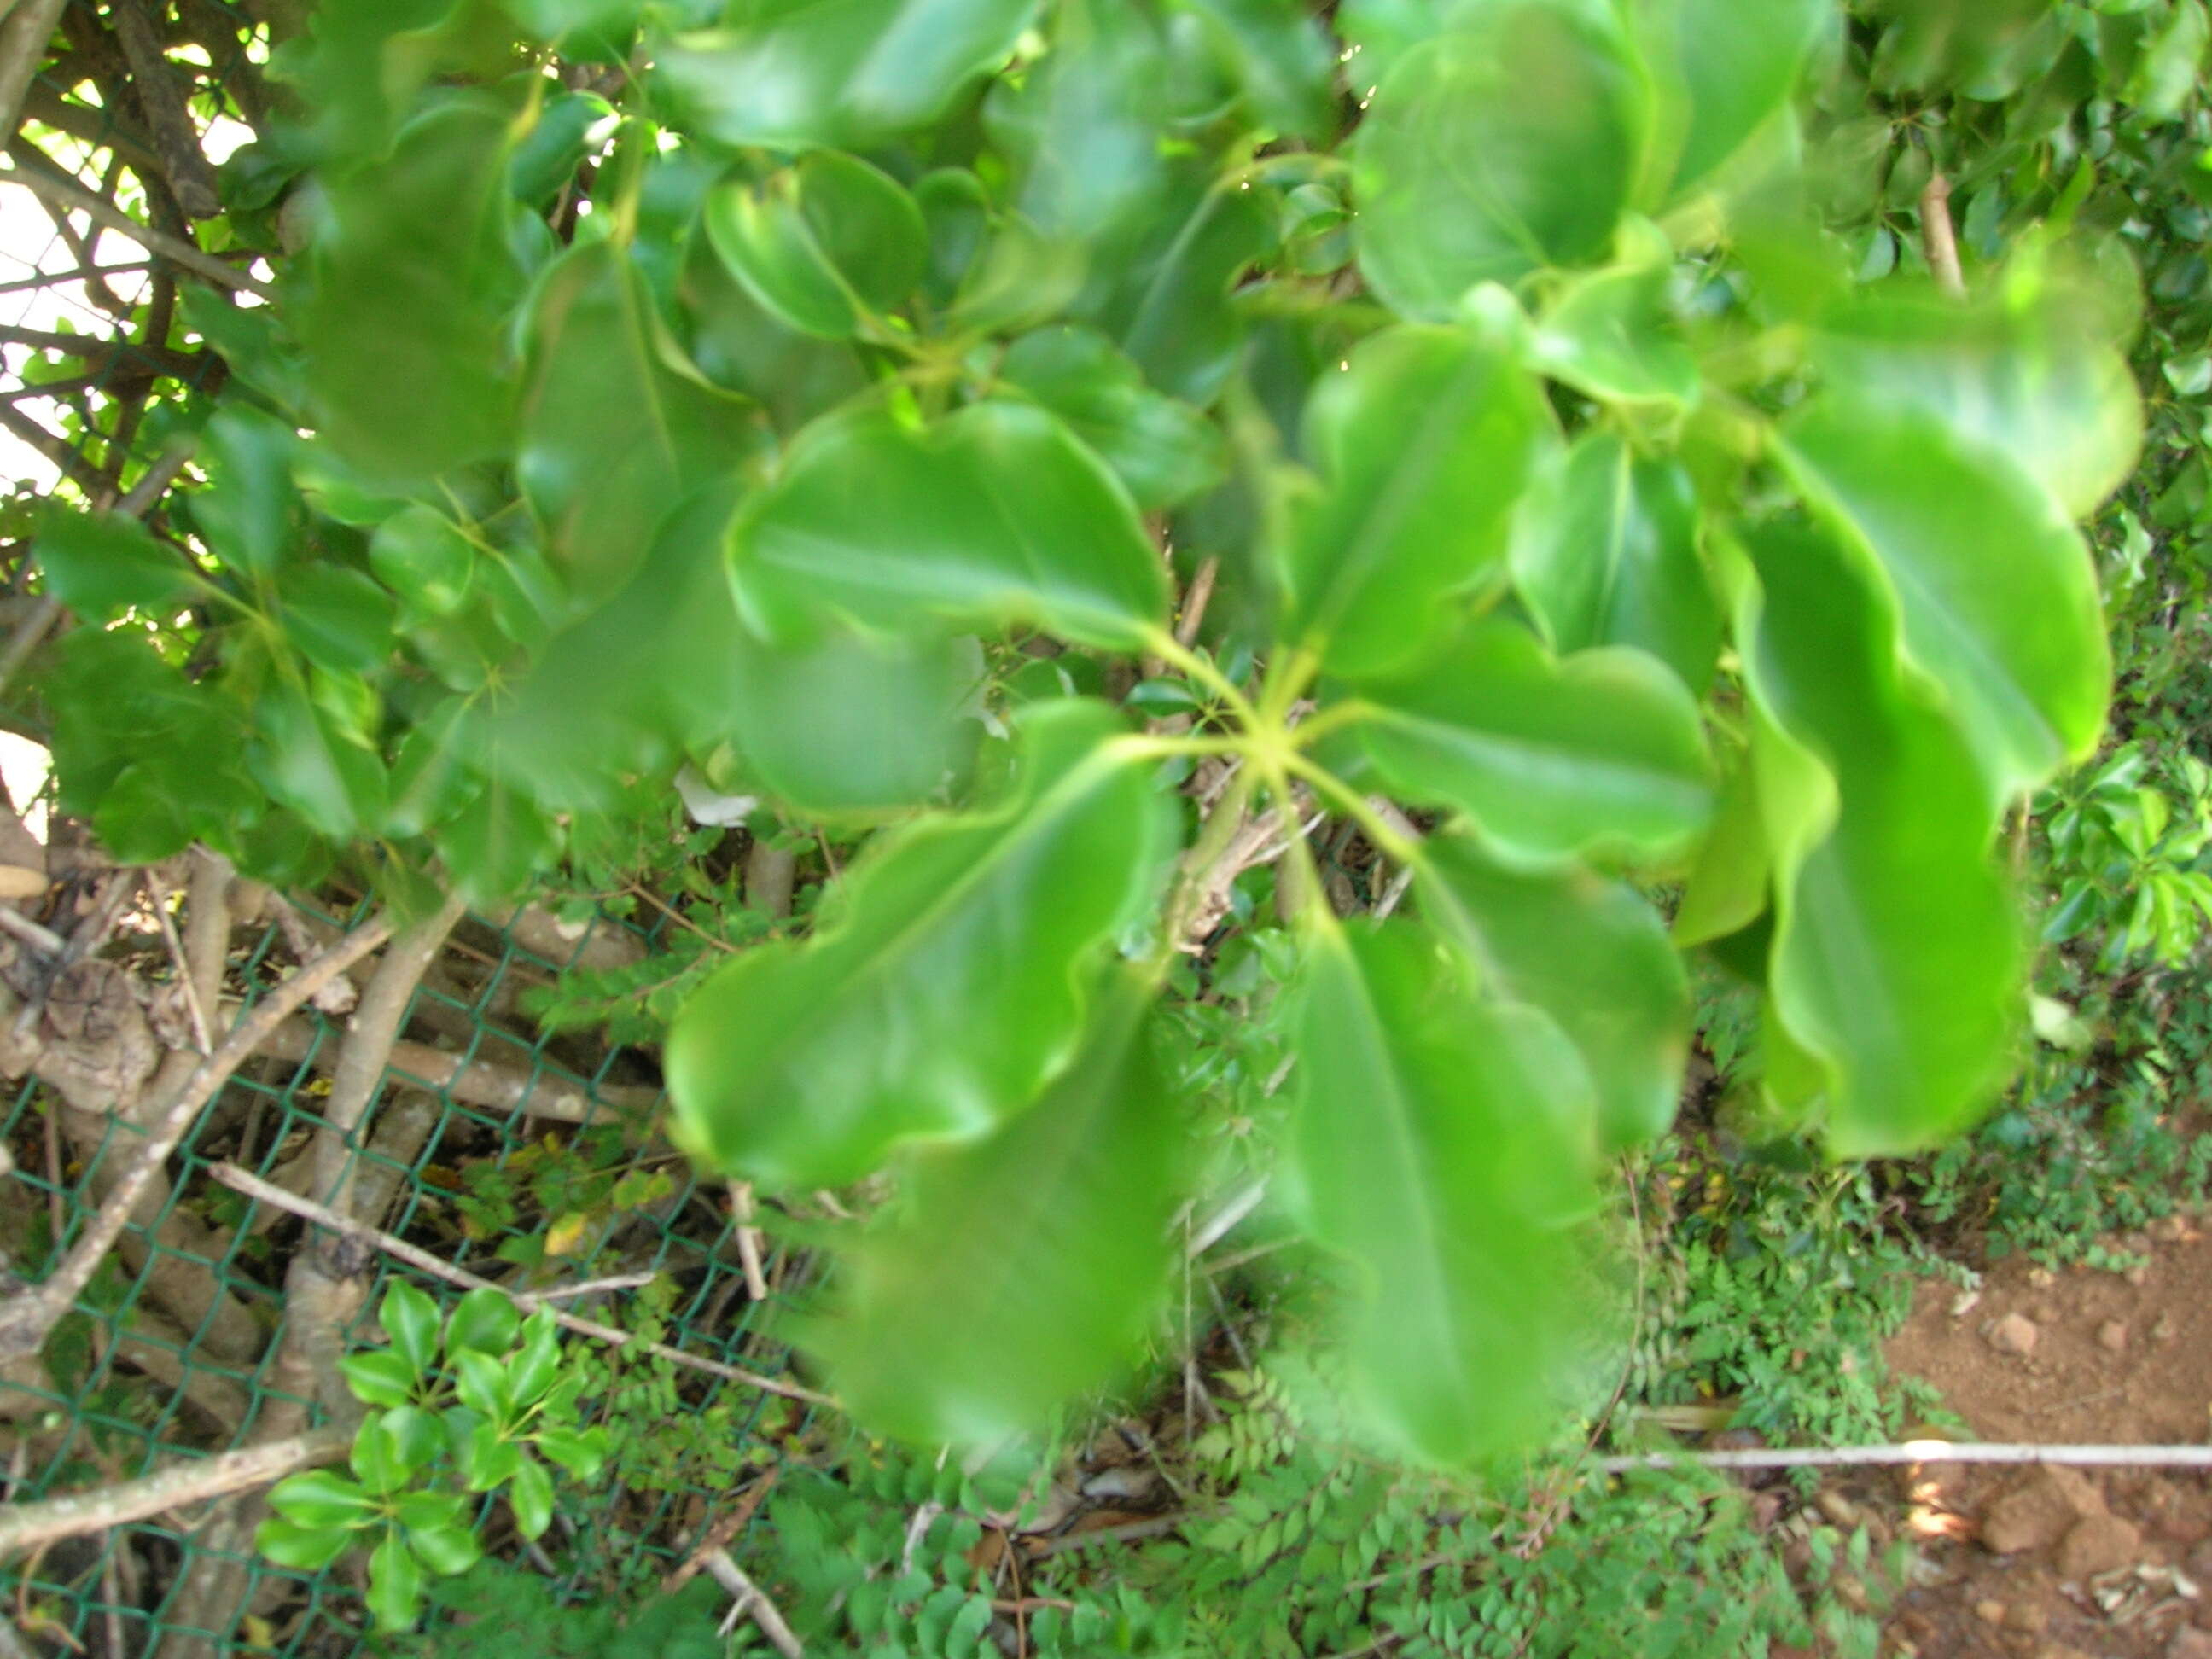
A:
x: 309, y: 1549
x: 248, y: 510
x: 586, y: 30
x: 824, y: 243
x: 1897, y: 952
x: 1599, y: 751
x: 488, y: 1458
x: 304, y: 760
x: 404, y: 324
x: 1423, y: 445
x: 1605, y: 552
x: 1590, y: 953
x: 395, y: 1585
x: 838, y: 73
x: 1607, y: 334
x: 484, y: 1382
x: 339, y: 619
x: 2027, y: 379
x: 531, y: 1496
x: 375, y: 1458
x: 1994, y: 590
x: 445, y: 1550
x: 100, y: 565
x: 1724, y: 69
x: 322, y: 1500
x: 410, y: 1323
x: 2170, y: 71
x: 952, y: 986
x: 994, y: 514
x: 1163, y: 450
x: 1964, y: 43
x: 1023, y: 278
x: 1084, y: 127
x: 1172, y: 308
x: 537, y: 1361
x: 484, y: 1321
x: 413, y: 1432
x: 547, y: 156
x: 616, y: 426
x: 1046, y: 1247
x: 1511, y: 142
x: 1283, y: 56
x: 1442, y: 1144
x: 738, y: 343
x: 421, y: 555
x: 580, y: 1452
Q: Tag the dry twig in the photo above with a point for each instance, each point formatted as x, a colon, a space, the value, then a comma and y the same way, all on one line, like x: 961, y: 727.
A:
x: 1918, y: 1451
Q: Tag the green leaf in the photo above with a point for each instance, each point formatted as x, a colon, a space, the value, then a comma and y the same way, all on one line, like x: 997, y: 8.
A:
x: 1423, y: 443
x: 547, y: 156
x: 321, y: 1500
x: 494, y: 843
x: 1084, y: 127
x: 381, y: 1376
x: 824, y: 243
x: 616, y: 426
x: 1590, y: 953
x: 402, y: 325
x: 2169, y: 72
x: 395, y: 1585
x: 1724, y: 69
x: 1173, y: 309
x: 421, y: 555
x: 445, y: 1550
x: 1442, y: 1143
x: 582, y: 1452
x: 1897, y: 951
x: 1994, y: 590
x: 1024, y: 278
x: 535, y: 1364
x: 414, y: 1432
x: 586, y: 30
x: 994, y: 514
x: 1045, y: 1246
x: 844, y: 74
x: 339, y: 619
x: 488, y: 1458
x: 1599, y: 751
x: 375, y: 1458
x: 309, y: 1549
x: 247, y: 511
x: 1605, y: 552
x: 1607, y: 334
x: 1164, y: 452
x: 1283, y: 57
x: 952, y: 987
x: 1507, y: 144
x: 2026, y: 379
x: 531, y: 1496
x: 306, y: 762
x: 100, y: 565
x: 484, y: 1321
x: 485, y: 1382
x: 740, y: 344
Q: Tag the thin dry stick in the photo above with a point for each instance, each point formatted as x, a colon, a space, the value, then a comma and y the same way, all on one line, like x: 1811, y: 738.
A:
x: 25, y: 1319
x: 399, y: 1249
x: 748, y: 1240
x: 750, y: 1600
x: 77, y: 199
x: 26, y: 31
x: 1937, y: 236
x: 201, y: 1036
x: 29, y: 1526
x: 1194, y: 602
x: 722, y: 1534
x: 1920, y: 1451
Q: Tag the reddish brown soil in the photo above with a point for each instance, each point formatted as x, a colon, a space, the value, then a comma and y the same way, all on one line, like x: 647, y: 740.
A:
x: 2061, y: 1564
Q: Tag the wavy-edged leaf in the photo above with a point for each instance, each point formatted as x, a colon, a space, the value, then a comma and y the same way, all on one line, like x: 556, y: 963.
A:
x: 2029, y: 381
x: 1607, y: 334
x: 1605, y: 552
x: 1591, y: 953
x: 1173, y: 307
x: 1163, y: 450
x: 1023, y: 1267
x: 994, y: 513
x: 402, y: 325
x: 1083, y: 125
x: 100, y: 565
x: 1602, y: 751
x: 951, y: 989
x: 1283, y: 56
x: 1423, y: 443
x: 1442, y: 1143
x: 848, y: 74
x: 822, y: 244
x: 1897, y: 951
x: 1508, y: 144
x: 616, y: 426
x: 1995, y: 593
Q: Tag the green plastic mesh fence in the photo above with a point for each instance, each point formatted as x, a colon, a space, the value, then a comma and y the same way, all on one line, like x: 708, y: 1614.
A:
x: 170, y: 1352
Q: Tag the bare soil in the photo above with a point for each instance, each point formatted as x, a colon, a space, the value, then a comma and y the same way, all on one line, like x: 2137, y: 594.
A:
x: 2056, y: 1563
